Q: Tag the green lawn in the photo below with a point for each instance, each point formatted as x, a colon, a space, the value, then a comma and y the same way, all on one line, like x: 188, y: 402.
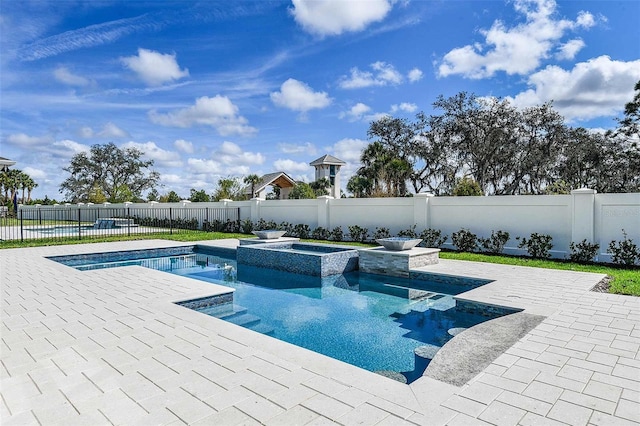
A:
x: 625, y: 280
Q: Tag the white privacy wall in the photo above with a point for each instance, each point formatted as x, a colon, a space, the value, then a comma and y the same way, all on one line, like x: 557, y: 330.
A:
x: 612, y: 214
x: 584, y: 214
x: 519, y: 216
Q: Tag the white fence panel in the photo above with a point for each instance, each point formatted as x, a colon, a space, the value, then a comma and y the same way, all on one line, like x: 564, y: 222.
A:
x: 393, y: 213
x: 613, y: 213
x: 518, y: 215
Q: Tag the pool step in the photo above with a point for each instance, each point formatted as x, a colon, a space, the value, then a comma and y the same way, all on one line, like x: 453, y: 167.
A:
x: 262, y: 328
x: 244, y: 320
x: 223, y: 311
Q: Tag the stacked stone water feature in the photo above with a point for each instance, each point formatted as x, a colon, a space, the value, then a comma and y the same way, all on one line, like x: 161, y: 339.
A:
x: 397, y: 256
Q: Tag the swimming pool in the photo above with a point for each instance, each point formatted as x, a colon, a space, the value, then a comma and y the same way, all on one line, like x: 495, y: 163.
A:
x: 372, y: 321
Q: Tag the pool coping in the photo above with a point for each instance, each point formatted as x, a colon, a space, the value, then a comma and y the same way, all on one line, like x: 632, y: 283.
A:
x: 561, y: 296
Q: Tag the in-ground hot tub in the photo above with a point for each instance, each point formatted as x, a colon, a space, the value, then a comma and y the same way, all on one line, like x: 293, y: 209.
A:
x: 301, y: 258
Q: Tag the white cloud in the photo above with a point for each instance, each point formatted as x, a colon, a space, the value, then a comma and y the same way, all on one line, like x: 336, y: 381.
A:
x: 67, y: 148
x: 597, y: 88
x: 218, y: 112
x: 298, y: 96
x: 415, y: 75
x: 183, y: 146
x: 333, y: 17
x: 35, y: 173
x: 349, y: 150
x: 155, y: 68
x: 24, y: 141
x: 86, y: 132
x: 63, y: 75
x: 385, y: 74
x: 514, y: 50
x: 231, y: 153
x: 304, y: 148
x: 153, y: 152
x: 199, y: 165
x: 404, y: 106
x: 168, y: 178
x: 570, y: 49
x: 229, y: 159
x: 356, y: 112
x: 110, y: 130
x: 290, y: 166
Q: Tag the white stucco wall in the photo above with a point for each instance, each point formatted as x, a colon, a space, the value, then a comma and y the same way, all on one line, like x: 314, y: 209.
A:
x: 599, y: 218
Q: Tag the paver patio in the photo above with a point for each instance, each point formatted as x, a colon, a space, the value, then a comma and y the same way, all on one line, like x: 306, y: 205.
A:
x: 110, y: 347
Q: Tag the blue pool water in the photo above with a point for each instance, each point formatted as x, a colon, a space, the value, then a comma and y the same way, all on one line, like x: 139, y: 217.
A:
x: 372, y: 321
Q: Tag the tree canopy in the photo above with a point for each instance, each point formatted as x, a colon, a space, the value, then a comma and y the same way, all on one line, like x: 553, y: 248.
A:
x: 228, y: 188
x: 301, y: 190
x: 107, y: 171
x: 503, y: 149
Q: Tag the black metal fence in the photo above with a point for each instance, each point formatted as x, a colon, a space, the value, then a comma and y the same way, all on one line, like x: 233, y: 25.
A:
x: 100, y: 222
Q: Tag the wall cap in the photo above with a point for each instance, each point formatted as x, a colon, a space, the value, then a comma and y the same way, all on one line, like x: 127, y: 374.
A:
x: 584, y: 191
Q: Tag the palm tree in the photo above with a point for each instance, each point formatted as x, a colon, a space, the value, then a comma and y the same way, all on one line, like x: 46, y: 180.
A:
x: 30, y: 186
x: 252, y: 180
x: 23, y: 179
x: 4, y: 186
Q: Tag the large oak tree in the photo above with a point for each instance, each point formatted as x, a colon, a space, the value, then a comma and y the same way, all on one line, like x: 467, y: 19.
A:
x: 118, y: 174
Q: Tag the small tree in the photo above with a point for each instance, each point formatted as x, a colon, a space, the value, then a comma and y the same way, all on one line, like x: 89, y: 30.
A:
x: 301, y: 190
x: 199, y: 196
x: 467, y: 187
x: 252, y: 180
x: 321, y: 186
x: 171, y: 197
x: 228, y: 188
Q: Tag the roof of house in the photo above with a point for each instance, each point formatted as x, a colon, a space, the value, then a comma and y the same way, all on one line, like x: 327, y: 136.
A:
x: 280, y: 179
x: 327, y: 159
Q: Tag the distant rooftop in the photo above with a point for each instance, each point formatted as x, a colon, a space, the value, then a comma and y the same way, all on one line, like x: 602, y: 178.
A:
x: 327, y: 159
x: 280, y: 179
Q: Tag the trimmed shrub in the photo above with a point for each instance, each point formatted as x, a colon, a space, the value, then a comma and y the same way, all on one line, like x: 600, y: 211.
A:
x: 336, y: 234
x: 247, y: 226
x: 409, y: 233
x: 262, y: 224
x: 356, y: 233
x: 583, y: 251
x: 320, y: 233
x: 495, y: 243
x: 624, y: 252
x: 286, y: 226
x: 301, y: 230
x: 381, y: 233
x: 465, y: 240
x: 538, y: 245
x: 432, y: 238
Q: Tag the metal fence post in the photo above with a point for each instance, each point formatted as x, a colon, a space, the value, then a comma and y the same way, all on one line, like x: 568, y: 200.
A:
x: 79, y: 223
x: 21, y: 228
x: 128, y: 221
x: 170, y: 222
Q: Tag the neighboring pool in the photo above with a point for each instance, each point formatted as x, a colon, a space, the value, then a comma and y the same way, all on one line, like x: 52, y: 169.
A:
x: 60, y: 230
x: 372, y: 321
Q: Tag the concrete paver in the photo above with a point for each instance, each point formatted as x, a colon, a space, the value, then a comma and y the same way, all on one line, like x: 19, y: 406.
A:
x: 111, y: 347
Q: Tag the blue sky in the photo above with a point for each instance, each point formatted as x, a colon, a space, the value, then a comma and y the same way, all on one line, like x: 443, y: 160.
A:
x: 215, y: 89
